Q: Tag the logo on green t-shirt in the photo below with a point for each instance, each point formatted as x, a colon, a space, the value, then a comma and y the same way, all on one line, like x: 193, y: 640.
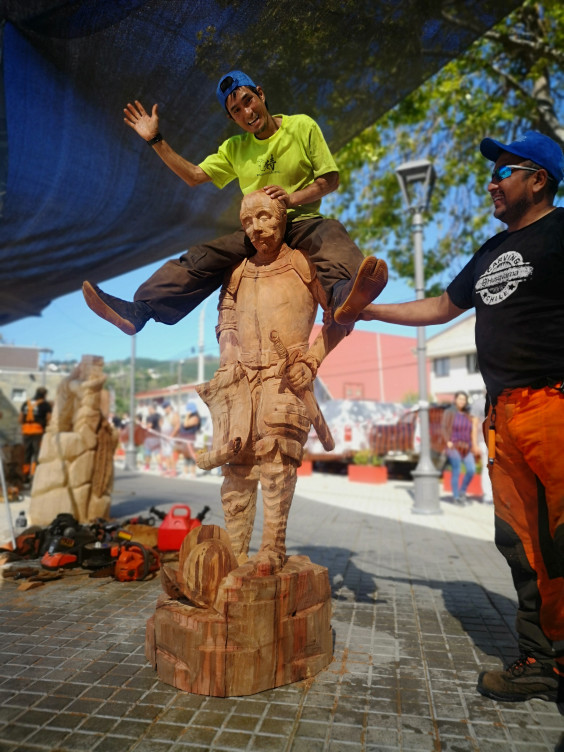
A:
x: 267, y: 165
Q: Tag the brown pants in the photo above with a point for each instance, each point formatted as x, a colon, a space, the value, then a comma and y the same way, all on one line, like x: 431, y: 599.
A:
x: 528, y: 488
x: 180, y: 285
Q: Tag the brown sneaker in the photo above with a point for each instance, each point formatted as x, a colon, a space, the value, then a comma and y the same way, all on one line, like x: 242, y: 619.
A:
x: 525, y: 679
x: 129, y: 317
x: 370, y: 280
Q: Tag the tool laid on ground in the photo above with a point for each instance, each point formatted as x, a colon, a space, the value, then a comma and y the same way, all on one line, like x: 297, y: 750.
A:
x: 66, y: 551
x: 124, y: 560
x: 176, y: 525
x: 135, y: 562
x: 106, y: 548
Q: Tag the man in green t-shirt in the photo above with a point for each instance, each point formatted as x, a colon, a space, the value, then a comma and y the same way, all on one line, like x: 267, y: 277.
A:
x: 287, y: 157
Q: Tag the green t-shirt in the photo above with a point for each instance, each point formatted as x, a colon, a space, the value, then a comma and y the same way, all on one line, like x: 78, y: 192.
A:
x: 292, y: 158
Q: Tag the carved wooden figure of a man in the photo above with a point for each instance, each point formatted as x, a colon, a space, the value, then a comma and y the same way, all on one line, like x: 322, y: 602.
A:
x: 267, y: 310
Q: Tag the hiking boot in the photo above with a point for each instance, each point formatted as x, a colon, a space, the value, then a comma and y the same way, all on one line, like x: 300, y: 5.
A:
x: 370, y: 280
x: 129, y: 317
x: 525, y: 679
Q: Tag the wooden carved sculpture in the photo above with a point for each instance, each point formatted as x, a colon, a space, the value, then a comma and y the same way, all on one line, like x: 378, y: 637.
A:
x: 231, y: 624
x: 75, y: 469
x: 261, y: 399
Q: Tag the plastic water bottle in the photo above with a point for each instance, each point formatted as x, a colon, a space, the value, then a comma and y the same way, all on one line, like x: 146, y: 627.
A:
x: 21, y: 520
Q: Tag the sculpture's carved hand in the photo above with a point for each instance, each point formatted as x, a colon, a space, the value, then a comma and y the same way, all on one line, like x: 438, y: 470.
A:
x: 147, y: 126
x: 299, y: 375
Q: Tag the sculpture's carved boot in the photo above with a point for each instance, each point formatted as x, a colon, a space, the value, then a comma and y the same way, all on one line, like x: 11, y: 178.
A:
x: 278, y: 481
x: 239, y: 499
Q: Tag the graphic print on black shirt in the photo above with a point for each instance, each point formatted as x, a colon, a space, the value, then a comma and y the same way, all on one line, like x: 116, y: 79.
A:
x: 502, y: 277
x: 516, y: 283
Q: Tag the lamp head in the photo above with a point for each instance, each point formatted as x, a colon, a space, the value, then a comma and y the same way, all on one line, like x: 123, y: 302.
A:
x: 416, y: 180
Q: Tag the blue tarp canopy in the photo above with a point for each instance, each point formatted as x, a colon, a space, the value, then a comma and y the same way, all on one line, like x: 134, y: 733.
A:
x: 84, y: 198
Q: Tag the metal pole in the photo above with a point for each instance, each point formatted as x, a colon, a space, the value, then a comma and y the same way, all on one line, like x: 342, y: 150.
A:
x: 425, y: 475
x: 201, y: 375
x: 131, y: 451
x: 6, y: 499
x: 179, y: 393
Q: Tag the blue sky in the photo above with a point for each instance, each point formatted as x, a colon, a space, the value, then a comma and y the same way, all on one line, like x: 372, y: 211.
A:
x: 71, y: 330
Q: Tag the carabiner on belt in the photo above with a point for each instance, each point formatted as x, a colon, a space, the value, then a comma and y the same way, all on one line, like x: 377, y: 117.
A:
x: 491, y: 438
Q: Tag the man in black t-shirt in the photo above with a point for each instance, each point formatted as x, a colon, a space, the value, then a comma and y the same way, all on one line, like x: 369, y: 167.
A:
x: 516, y: 284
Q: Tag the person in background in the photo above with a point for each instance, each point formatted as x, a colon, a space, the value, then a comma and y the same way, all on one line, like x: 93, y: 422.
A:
x: 34, y: 418
x: 461, y: 448
x: 478, y: 410
x: 189, y: 426
x: 152, y: 442
x: 170, y: 426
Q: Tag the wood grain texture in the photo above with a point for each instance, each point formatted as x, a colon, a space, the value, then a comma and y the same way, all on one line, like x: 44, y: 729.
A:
x: 262, y: 632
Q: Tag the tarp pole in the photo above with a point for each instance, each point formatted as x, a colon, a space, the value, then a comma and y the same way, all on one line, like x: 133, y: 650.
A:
x: 6, y: 499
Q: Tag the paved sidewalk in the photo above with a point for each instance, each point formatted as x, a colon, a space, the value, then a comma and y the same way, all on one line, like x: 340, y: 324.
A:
x: 421, y: 604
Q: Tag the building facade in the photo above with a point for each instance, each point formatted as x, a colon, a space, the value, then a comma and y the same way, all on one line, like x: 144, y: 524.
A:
x: 453, y: 361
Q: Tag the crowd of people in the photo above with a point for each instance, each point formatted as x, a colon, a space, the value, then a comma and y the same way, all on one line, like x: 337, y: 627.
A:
x: 167, y: 438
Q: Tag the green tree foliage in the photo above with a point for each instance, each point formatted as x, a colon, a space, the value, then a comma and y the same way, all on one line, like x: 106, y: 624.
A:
x: 509, y: 81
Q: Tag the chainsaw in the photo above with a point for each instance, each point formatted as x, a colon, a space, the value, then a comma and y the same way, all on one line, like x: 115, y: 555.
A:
x: 135, y: 562
x: 126, y: 560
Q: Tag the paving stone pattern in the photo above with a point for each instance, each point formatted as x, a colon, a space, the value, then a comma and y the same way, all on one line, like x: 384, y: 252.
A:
x: 417, y: 613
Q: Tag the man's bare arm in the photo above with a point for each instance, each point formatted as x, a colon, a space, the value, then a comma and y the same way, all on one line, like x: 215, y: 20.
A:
x: 147, y: 126
x: 423, y: 312
x: 321, y: 186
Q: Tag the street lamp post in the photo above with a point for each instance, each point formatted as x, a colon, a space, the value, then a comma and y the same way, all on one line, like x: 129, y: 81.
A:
x: 130, y: 462
x: 179, y: 392
x: 416, y: 181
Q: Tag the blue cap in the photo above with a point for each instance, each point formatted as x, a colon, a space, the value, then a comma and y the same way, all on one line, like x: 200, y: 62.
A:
x: 231, y: 81
x: 166, y: 404
x: 191, y: 407
x: 534, y: 146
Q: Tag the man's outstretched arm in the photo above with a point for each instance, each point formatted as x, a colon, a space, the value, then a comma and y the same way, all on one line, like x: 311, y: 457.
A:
x: 147, y: 126
x: 423, y: 312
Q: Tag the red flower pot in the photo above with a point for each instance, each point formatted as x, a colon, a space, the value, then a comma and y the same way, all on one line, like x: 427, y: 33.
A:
x: 367, y: 473
x: 306, y: 468
x: 474, y: 489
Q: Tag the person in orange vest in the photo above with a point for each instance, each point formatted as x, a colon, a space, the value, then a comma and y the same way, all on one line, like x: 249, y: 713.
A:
x: 34, y: 418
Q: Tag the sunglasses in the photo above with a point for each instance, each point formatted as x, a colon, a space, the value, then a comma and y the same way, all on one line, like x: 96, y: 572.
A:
x: 500, y: 173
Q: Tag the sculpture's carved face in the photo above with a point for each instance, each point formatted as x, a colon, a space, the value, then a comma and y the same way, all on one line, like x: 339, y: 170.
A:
x: 264, y: 221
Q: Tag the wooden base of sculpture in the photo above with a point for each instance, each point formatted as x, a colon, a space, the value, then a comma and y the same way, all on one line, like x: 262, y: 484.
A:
x: 262, y: 632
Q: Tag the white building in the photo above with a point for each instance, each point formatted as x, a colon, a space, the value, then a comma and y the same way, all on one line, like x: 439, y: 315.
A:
x: 453, y: 361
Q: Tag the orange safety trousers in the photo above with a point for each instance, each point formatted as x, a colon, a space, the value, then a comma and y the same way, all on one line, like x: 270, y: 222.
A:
x: 528, y: 489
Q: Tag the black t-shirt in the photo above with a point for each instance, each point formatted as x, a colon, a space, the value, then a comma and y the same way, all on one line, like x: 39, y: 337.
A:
x: 153, y: 421
x: 516, y: 283
x: 190, y: 430
x: 41, y: 409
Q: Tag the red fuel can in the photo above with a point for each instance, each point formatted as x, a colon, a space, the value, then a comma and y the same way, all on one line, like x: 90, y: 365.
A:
x: 175, y: 527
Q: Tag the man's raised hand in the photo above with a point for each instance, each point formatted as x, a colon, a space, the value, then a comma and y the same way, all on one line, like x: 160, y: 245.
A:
x: 147, y: 126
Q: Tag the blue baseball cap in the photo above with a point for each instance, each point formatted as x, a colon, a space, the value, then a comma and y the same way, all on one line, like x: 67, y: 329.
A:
x: 534, y: 146
x: 231, y: 81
